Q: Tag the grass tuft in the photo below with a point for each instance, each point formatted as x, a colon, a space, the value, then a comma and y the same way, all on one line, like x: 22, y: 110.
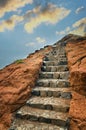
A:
x: 19, y: 61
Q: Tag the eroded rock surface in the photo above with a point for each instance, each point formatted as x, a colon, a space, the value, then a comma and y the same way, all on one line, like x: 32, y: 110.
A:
x: 76, y: 53
x: 18, y: 79
x: 16, y: 82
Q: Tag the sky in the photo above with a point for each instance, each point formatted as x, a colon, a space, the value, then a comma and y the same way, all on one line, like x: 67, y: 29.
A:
x: 28, y: 25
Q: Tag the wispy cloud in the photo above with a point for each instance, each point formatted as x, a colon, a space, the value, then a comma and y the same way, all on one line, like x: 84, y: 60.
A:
x: 40, y: 40
x: 60, y: 32
x: 50, y: 15
x: 78, y: 10
x: 31, y: 44
x: 79, y: 27
x: 63, y: 32
x: 10, y: 23
x: 12, y: 5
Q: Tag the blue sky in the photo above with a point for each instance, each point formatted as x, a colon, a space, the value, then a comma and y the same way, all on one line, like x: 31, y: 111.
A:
x: 27, y: 25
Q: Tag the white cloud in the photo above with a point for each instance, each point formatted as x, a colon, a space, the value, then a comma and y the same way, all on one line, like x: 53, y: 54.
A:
x: 80, y: 22
x: 12, y: 5
x: 63, y: 32
x: 10, y: 23
x: 30, y: 44
x: 60, y: 32
x: 79, y: 27
x: 67, y: 29
x: 78, y: 10
x: 40, y: 40
x: 51, y: 15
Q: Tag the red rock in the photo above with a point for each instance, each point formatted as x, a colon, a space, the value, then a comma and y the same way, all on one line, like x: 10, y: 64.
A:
x: 16, y: 82
x: 76, y: 53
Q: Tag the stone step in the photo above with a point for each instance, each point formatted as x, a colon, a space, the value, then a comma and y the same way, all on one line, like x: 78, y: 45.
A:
x: 58, y: 68
x: 54, y: 63
x: 52, y: 83
x: 47, y: 108
x: 49, y: 103
x: 45, y: 116
x: 56, y: 57
x: 20, y: 124
x: 55, y: 92
x: 58, y: 52
x: 54, y: 75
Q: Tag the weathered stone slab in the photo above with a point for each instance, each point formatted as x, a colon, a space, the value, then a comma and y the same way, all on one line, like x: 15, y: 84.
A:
x: 45, y: 116
x: 51, y: 103
x: 30, y: 125
x: 49, y: 92
x: 59, y: 68
x: 52, y: 83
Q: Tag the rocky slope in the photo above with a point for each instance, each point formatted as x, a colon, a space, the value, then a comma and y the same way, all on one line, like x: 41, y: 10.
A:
x: 48, y: 106
x: 76, y: 53
x: 16, y: 82
x: 18, y: 79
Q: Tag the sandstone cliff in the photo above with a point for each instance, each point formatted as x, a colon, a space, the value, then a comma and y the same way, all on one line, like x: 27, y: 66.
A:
x: 16, y: 82
x: 76, y: 53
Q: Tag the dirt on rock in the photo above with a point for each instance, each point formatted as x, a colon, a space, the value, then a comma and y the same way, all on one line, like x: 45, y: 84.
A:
x: 16, y: 83
x: 76, y: 53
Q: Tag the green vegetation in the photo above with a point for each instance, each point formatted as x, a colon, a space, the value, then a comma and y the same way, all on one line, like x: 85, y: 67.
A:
x: 19, y: 61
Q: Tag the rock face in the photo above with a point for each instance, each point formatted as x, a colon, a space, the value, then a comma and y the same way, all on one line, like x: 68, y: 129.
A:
x: 18, y: 79
x: 16, y: 82
x: 78, y: 112
x: 76, y: 53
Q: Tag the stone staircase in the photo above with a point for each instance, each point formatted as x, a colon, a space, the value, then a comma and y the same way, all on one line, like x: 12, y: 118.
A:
x: 48, y: 107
